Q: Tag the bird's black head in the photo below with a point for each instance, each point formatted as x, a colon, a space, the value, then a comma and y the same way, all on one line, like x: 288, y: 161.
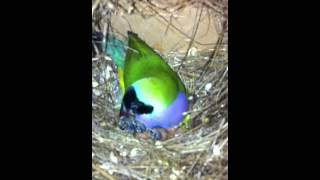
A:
x: 131, y: 106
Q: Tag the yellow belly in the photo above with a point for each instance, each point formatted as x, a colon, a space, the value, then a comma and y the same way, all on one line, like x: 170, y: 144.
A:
x: 121, y: 82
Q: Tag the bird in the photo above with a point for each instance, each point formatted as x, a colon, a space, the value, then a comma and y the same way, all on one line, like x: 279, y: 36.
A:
x: 154, y: 96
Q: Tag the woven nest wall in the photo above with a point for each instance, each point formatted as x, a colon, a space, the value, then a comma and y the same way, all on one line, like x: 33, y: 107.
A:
x: 192, y: 37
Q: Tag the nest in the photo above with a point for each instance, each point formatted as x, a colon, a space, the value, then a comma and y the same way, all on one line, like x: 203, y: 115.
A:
x: 199, y: 149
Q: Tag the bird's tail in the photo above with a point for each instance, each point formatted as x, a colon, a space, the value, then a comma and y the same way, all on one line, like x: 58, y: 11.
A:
x: 117, y: 49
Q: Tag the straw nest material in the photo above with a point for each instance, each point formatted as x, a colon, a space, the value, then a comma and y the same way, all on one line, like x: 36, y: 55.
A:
x: 199, y: 149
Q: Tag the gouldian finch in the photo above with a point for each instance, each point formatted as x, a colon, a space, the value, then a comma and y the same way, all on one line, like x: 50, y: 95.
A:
x: 153, y: 94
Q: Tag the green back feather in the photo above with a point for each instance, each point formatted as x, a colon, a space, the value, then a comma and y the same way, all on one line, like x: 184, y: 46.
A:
x: 142, y: 63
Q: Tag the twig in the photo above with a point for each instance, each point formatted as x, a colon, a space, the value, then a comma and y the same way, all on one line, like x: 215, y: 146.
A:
x: 193, y: 36
x: 95, y: 5
x: 102, y: 172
